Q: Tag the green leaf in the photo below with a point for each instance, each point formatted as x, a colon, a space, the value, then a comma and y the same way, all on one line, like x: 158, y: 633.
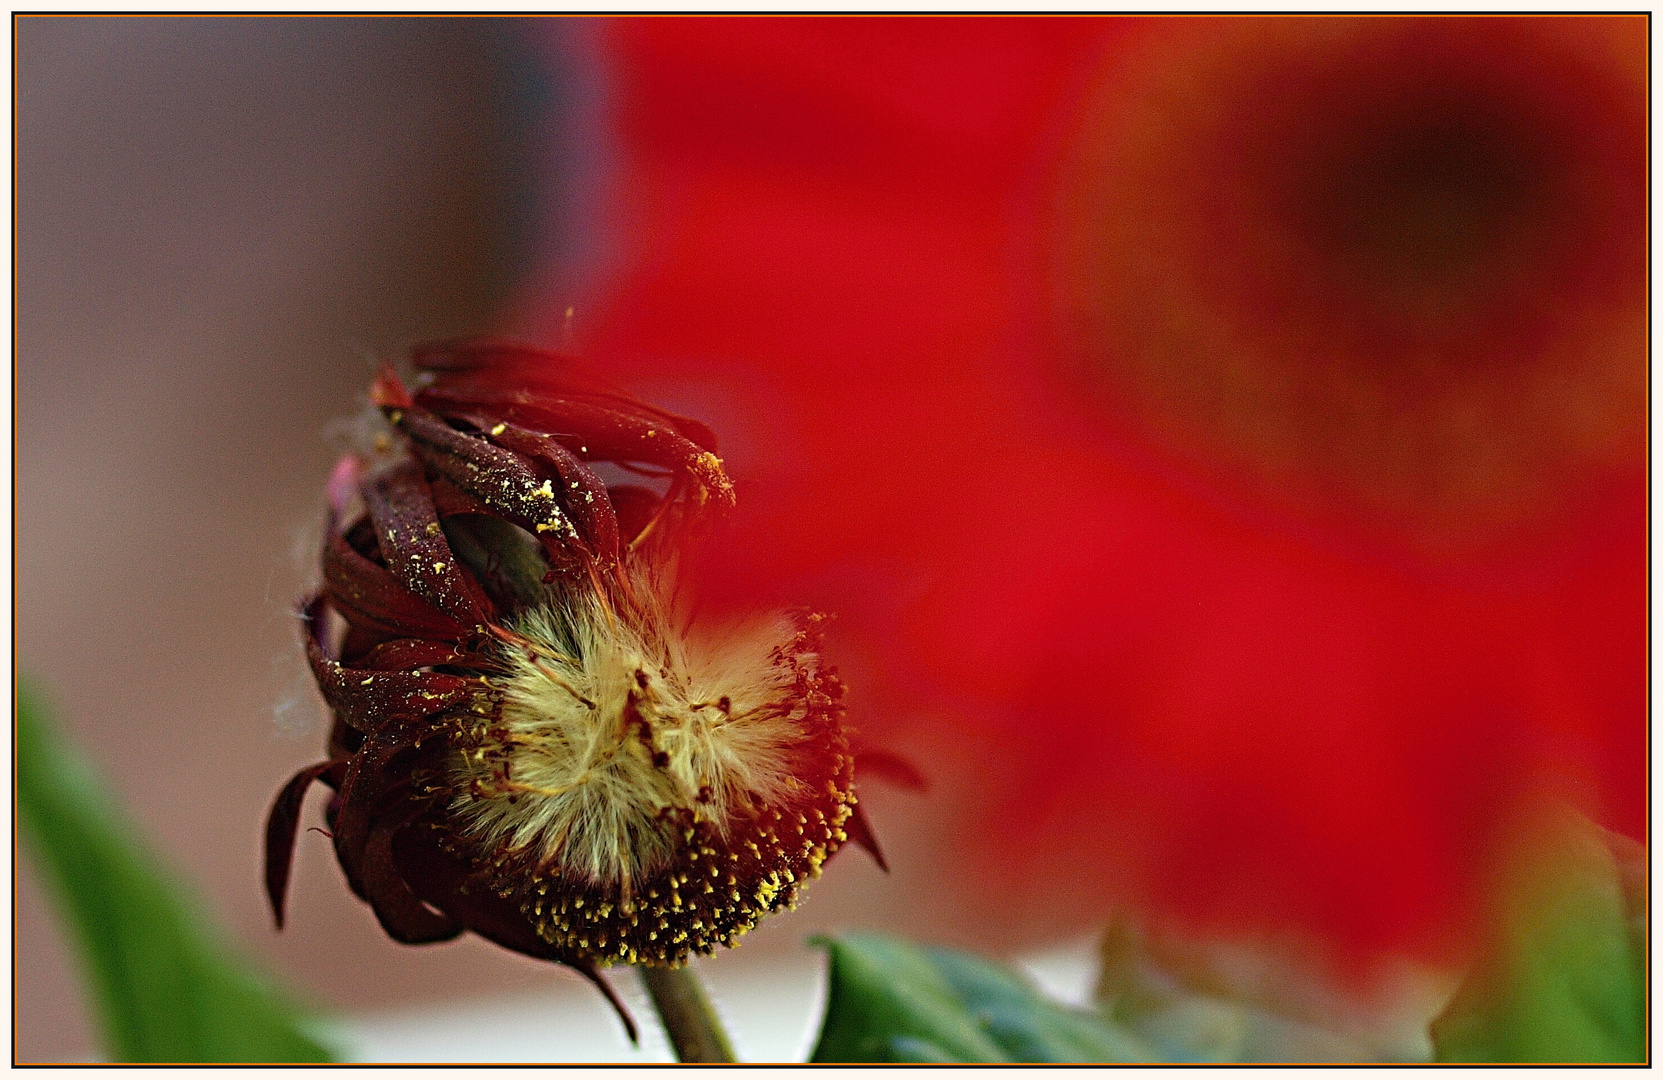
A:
x: 891, y: 1001
x: 165, y: 986
x: 1566, y: 979
x: 1214, y: 1001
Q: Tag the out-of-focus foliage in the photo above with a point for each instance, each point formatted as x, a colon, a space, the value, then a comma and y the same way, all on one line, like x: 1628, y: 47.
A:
x: 1191, y: 1001
x: 891, y: 1001
x: 1159, y: 999
x: 1565, y: 981
x: 163, y: 984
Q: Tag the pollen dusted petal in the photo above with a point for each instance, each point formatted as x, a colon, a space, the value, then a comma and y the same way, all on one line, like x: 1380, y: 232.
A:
x: 581, y: 492
x: 418, y: 653
x: 450, y: 500
x: 365, y: 699
x: 407, y: 528
x: 283, y: 824
x: 604, y: 432
x: 367, y: 594
x: 498, y: 478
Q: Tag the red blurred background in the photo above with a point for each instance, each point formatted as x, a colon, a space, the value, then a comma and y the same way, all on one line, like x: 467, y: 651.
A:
x: 1223, y: 440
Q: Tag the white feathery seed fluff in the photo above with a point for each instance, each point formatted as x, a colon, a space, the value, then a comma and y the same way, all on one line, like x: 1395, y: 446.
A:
x: 581, y: 793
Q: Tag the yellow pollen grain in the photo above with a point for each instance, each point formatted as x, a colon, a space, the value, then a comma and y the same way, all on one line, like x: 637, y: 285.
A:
x: 438, y: 568
x: 499, y: 429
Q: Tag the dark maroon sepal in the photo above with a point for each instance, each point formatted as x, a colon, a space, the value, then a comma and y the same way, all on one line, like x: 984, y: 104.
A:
x: 401, y: 912
x: 860, y: 832
x: 283, y: 825
x: 589, y: 971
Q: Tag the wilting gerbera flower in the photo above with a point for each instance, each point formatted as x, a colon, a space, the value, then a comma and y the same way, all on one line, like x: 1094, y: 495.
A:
x: 533, y: 739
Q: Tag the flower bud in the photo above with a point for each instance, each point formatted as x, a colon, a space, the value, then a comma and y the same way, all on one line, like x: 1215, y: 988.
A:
x: 533, y: 739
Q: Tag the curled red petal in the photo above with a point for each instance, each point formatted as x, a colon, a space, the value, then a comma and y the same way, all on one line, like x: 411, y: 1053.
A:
x: 499, y: 478
x: 282, y: 825
x: 407, y: 528
x: 400, y: 911
x: 369, y: 595
x: 450, y: 500
x: 407, y: 653
x: 582, y: 493
x: 365, y: 790
x: 366, y: 699
x: 594, y: 431
x: 496, y: 370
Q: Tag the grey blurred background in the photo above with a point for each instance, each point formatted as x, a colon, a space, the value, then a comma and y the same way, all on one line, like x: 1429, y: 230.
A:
x: 219, y: 224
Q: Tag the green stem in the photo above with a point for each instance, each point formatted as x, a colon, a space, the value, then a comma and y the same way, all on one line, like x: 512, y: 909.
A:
x: 689, y: 1019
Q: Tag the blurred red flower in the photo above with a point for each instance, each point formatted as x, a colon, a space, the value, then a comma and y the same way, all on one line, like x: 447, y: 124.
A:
x: 1227, y: 434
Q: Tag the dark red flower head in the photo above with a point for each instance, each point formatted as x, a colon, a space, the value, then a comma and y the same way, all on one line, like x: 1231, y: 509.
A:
x: 532, y: 739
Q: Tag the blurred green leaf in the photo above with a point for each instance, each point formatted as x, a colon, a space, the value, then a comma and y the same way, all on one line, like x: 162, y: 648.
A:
x: 165, y: 987
x: 1566, y: 979
x: 891, y: 1001
x: 1219, y: 1001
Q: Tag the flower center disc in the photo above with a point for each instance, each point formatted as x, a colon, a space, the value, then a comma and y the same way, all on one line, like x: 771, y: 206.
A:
x: 659, y: 791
